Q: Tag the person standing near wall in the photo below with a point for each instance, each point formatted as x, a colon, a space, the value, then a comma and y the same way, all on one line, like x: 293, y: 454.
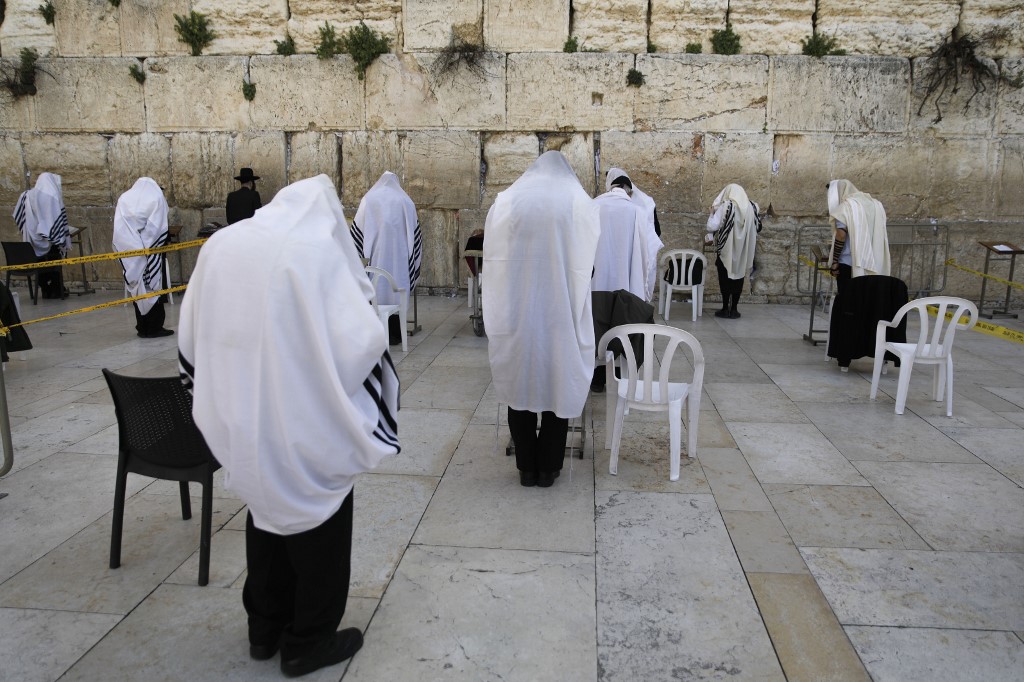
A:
x: 43, y: 221
x: 625, y: 255
x: 733, y: 227
x: 617, y: 176
x: 244, y: 201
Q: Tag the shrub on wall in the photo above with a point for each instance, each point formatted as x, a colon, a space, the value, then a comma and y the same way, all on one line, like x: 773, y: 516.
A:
x: 364, y: 45
x: 194, y: 31
x: 21, y: 80
x: 820, y: 45
x: 635, y: 78
x: 48, y: 11
x: 248, y: 91
x: 694, y: 48
x: 725, y: 41
x: 329, y: 43
x: 137, y: 73
x: 459, y: 54
x: 286, y: 46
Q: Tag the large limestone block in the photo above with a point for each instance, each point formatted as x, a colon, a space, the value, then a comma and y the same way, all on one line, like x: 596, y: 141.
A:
x: 442, y: 168
x: 675, y: 23
x: 432, y: 24
x: 441, y: 248
x: 244, y: 26
x: 365, y: 155
x: 771, y: 26
x: 313, y: 153
x: 307, y: 17
x: 80, y: 160
x: 578, y: 149
x: 265, y: 152
x: 668, y: 166
x: 711, y: 92
x: 16, y: 113
x: 904, y: 28
x: 1010, y: 116
x: 98, y: 237
x: 409, y: 92
x: 87, y: 28
x: 580, y: 91
x: 526, y: 25
x: 506, y: 156
x: 136, y: 156
x: 892, y: 168
x: 838, y: 94
x: 742, y: 158
x: 1011, y: 177
x: 611, y: 26
x: 1000, y: 22
x: 23, y: 26
x: 196, y: 93
x: 800, y: 170
x: 302, y: 92
x: 12, y: 170
x: 966, y: 109
x: 147, y: 28
x: 202, y: 169
x: 963, y: 179
x: 87, y: 94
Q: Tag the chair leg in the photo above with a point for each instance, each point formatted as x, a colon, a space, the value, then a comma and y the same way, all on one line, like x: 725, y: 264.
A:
x: 186, y: 501
x: 117, y: 521
x: 675, y: 418
x: 903, y: 385
x: 876, y: 372
x: 668, y: 301
x: 700, y: 297
x: 611, y: 389
x: 205, y: 530
x: 661, y: 297
x: 949, y: 385
x: 405, y: 330
x: 613, y: 461
x: 693, y: 304
x: 938, y: 382
x: 692, y: 422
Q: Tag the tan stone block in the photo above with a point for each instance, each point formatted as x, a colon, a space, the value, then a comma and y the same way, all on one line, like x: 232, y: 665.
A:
x: 87, y: 28
x: 313, y: 153
x: 1011, y: 177
x: 963, y: 179
x: 1002, y: 20
x: 23, y: 26
x: 771, y: 26
x: 868, y: 162
x: 667, y: 166
x: 578, y: 149
x: 905, y: 28
x: 9, y: 231
x: 302, y: 92
x: 1010, y: 114
x: 431, y: 24
x: 526, y: 25
x: 441, y: 249
x: 742, y: 158
x: 190, y: 93
x: 838, y: 94
x: 86, y: 94
x: 710, y: 92
x: 441, y: 168
x: 97, y: 223
x: 17, y: 113
x: 611, y: 26
x: 12, y: 170
x: 147, y: 28
x: 409, y: 92
x: 80, y: 160
x: 307, y: 17
x: 244, y: 26
x: 578, y: 91
x: 948, y: 111
x: 202, y: 169
x: 506, y: 155
x: 136, y: 156
x: 674, y: 23
x: 191, y: 221
x: 265, y: 152
x: 799, y: 178
x: 365, y: 155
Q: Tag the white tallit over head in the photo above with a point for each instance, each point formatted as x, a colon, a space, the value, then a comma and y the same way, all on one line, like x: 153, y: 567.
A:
x: 41, y: 216
x: 542, y: 235
x: 293, y: 388
x: 737, y: 253
x: 387, y: 232
x: 653, y: 241
x: 865, y: 222
x: 622, y: 260
x: 140, y: 222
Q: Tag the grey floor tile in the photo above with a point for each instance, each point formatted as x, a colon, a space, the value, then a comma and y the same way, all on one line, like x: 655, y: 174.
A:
x: 753, y: 403
x: 762, y: 543
x: 38, y: 645
x: 1000, y: 448
x: 58, y: 430
x: 644, y: 460
x: 793, y: 453
x: 820, y: 382
x: 732, y: 482
x: 428, y: 439
x: 791, y: 350
x: 227, y: 561
x: 448, y: 388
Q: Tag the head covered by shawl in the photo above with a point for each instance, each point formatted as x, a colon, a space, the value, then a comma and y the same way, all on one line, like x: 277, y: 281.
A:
x: 864, y: 218
x: 623, y: 258
x: 653, y: 241
x: 387, y: 232
x: 41, y: 216
x: 737, y: 251
x: 293, y: 387
x: 140, y: 222
x: 542, y: 235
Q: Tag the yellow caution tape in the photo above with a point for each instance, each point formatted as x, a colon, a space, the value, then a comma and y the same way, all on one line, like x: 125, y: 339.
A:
x: 996, y: 330
x: 105, y: 256
x: 1007, y: 282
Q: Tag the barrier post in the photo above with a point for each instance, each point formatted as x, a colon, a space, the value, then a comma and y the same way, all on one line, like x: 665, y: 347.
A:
x: 5, y: 423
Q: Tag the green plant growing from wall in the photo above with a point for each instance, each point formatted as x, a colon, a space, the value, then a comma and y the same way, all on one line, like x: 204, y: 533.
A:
x: 820, y: 45
x: 364, y: 45
x: 634, y: 78
x: 726, y: 41
x: 137, y: 73
x: 48, y: 11
x: 248, y: 91
x: 194, y: 31
x: 459, y: 54
x: 651, y: 47
x: 21, y: 80
x: 329, y: 44
x: 694, y: 48
x: 572, y: 44
x: 115, y: 3
x: 286, y: 46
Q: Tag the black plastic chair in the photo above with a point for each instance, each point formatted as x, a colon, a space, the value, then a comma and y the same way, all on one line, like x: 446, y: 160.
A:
x: 22, y: 253
x: 158, y: 438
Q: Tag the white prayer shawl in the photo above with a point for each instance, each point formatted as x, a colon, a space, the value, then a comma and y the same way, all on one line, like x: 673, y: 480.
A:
x: 622, y: 259
x: 864, y: 217
x: 737, y: 252
x: 387, y: 232
x: 140, y: 222
x: 294, y: 390
x: 542, y: 235
x: 653, y: 241
x: 41, y: 216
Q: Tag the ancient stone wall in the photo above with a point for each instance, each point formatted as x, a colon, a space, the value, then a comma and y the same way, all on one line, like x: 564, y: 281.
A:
x: 777, y: 122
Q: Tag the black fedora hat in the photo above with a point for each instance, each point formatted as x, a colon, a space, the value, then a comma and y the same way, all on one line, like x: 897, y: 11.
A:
x: 246, y: 175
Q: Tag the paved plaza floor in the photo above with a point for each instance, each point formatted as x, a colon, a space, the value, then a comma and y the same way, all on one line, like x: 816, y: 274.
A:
x: 815, y: 536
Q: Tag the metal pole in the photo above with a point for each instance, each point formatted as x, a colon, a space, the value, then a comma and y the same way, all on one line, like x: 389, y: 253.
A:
x: 5, y: 425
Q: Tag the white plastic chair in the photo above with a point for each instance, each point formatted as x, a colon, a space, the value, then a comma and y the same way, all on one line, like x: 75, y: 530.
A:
x: 386, y: 310
x: 649, y: 393
x: 934, y: 346
x: 685, y: 260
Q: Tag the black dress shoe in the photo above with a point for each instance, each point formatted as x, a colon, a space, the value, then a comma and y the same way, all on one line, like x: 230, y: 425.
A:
x: 721, y: 313
x: 344, y: 645
x: 545, y: 479
x: 734, y: 315
x: 527, y: 479
x: 262, y: 652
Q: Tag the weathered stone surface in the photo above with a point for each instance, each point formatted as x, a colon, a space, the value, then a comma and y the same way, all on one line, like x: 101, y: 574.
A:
x: 961, y: 179
x: 710, y: 92
x: 87, y: 28
x: 136, y: 156
x: 88, y: 94
x: 440, y: 247
x: 409, y: 91
x: 265, y: 152
x: 1001, y: 22
x: 365, y: 155
x: 674, y: 23
x: 771, y: 26
x: 302, y: 92
x: 667, y: 166
x: 949, y: 112
x: 1011, y: 177
x: 16, y: 113
x: 838, y: 94
x: 431, y: 24
x: 442, y: 168
x: 905, y: 28
x: 865, y: 160
x: 506, y: 155
x: 608, y: 26
x: 195, y: 93
x: 308, y: 16
x: 98, y: 237
x: 569, y: 91
x: 202, y: 169
x: 743, y: 158
x: 23, y: 26
x: 147, y: 28
x: 1010, y: 114
x: 12, y: 170
x: 311, y: 154
x: 578, y: 149
x: 80, y: 161
x: 469, y: 221
x: 798, y: 185
x: 244, y: 26
x: 533, y: 25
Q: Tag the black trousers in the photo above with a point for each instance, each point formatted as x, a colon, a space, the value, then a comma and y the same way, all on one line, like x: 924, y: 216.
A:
x: 153, y: 321
x: 731, y: 288
x: 297, y: 585
x: 538, y: 452
x: 50, y: 282
x: 839, y: 304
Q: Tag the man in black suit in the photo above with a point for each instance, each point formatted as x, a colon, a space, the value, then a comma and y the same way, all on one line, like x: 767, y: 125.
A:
x: 243, y: 202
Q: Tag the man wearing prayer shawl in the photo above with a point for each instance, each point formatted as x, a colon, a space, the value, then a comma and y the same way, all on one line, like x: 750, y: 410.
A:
x: 542, y: 234
x: 296, y: 395
x: 617, y: 176
x: 140, y: 222
x: 43, y: 222
x: 387, y: 233
x: 626, y: 257
x: 733, y: 227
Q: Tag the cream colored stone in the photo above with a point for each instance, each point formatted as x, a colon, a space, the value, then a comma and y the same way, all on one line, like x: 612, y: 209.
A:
x: 578, y: 149
x: 944, y: 112
x: 771, y: 26
x: 798, y: 185
x: 302, y: 92
x: 608, y: 26
x: 525, y: 26
x: 195, y: 93
x: 365, y: 155
x: 80, y: 160
x: 905, y: 28
x: 89, y: 95
x: 667, y: 166
x: 838, y: 94
x: 440, y: 247
x: 431, y: 24
x: 710, y: 92
x: 23, y: 26
x: 17, y: 113
x: 311, y: 154
x: 962, y: 179
x: 244, y: 26
x: 506, y: 155
x: 147, y: 28
x: 87, y: 28
x: 1011, y: 177
x: 135, y: 156
x: 264, y: 152
x: 866, y: 161
x: 442, y: 168
x: 202, y: 169
x: 1010, y: 114
x: 743, y: 158
x: 12, y: 173
x: 408, y: 92
x: 675, y: 23
x: 569, y: 91
x: 1000, y: 21
x: 307, y: 17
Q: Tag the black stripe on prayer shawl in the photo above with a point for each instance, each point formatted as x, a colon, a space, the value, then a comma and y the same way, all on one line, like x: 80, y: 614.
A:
x: 357, y: 237
x: 155, y: 261
x: 726, y: 227
x: 187, y: 373
x: 59, y: 232
x: 387, y: 428
x: 414, y: 257
x: 19, y: 211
